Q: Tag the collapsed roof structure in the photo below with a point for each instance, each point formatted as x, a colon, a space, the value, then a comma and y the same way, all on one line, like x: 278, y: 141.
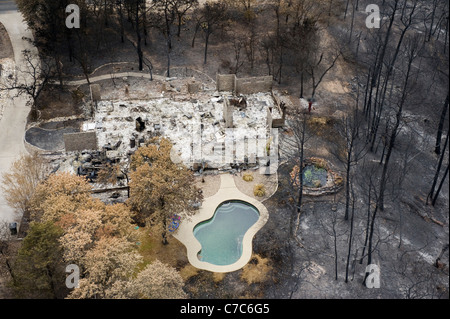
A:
x: 233, y: 125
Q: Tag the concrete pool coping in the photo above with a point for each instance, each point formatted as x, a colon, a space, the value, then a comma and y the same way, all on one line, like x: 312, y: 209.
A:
x: 227, y: 191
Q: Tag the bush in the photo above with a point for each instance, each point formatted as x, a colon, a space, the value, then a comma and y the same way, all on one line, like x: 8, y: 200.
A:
x: 319, y: 163
x: 307, y: 176
x: 247, y: 177
x: 338, y: 180
x: 317, y: 183
x: 259, y: 190
x: 257, y: 270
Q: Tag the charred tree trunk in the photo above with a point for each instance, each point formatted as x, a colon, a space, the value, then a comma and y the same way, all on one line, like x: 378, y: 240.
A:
x: 438, y: 169
x: 350, y: 237
x: 440, y: 186
x: 139, y: 38
x: 437, y: 148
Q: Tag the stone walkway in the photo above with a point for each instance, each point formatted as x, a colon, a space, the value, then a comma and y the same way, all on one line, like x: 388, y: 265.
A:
x: 115, y: 76
x: 228, y: 191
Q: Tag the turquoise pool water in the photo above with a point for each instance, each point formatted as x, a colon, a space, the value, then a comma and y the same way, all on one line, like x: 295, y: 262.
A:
x: 221, y: 236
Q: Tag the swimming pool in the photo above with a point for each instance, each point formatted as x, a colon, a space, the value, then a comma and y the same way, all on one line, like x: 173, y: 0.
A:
x: 221, y: 236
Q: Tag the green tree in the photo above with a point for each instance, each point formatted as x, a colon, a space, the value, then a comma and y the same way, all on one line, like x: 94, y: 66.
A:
x: 38, y: 270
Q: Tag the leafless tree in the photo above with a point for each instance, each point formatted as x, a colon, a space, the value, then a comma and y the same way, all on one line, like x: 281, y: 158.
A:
x: 182, y: 7
x: 440, y: 185
x: 408, y: 17
x: 212, y: 17
x: 437, y: 148
x: 331, y: 228
x: 418, y: 279
x: 431, y: 195
x: 31, y: 79
x: 238, y: 44
x: 294, y: 146
x: 318, y: 72
x: 350, y: 236
x: 353, y: 148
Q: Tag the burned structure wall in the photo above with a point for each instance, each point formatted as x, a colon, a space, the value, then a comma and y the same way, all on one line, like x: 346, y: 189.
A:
x: 281, y: 108
x: 226, y: 82
x: 95, y: 92
x: 228, y: 113
x: 251, y: 85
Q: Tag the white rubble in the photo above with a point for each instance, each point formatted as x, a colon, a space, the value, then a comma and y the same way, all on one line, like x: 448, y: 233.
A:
x: 185, y: 121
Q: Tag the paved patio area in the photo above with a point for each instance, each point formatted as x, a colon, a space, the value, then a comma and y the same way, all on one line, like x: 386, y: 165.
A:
x: 228, y: 191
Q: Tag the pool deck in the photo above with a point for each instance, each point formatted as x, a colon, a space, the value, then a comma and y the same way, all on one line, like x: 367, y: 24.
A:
x: 228, y: 191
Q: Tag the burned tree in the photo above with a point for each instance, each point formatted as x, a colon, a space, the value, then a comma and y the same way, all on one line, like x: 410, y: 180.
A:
x: 411, y: 51
x: 32, y: 80
x: 212, y: 16
x: 317, y: 74
x: 437, y: 148
x: 353, y: 148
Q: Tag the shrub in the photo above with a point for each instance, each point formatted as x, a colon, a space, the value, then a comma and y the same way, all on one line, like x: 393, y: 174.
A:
x: 307, y: 175
x: 317, y: 183
x: 257, y: 270
x: 319, y: 162
x: 338, y: 180
x: 294, y: 175
x: 247, y: 177
x: 188, y: 271
x: 259, y: 190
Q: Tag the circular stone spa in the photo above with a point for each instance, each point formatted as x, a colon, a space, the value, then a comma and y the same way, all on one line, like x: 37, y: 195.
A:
x: 318, y: 177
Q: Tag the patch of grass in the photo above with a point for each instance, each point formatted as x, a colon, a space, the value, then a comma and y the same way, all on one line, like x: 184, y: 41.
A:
x: 317, y: 183
x: 257, y: 270
x: 188, y: 271
x: 321, y: 126
x: 317, y: 120
x: 307, y: 175
x: 338, y: 179
x: 152, y: 248
x: 218, y: 276
x: 319, y: 162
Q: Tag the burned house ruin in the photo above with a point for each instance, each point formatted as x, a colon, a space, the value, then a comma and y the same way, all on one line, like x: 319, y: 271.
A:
x: 231, y: 127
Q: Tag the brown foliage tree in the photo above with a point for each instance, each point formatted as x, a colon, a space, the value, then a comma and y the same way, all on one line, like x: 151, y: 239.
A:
x: 160, y: 188
x: 19, y: 184
x: 155, y: 281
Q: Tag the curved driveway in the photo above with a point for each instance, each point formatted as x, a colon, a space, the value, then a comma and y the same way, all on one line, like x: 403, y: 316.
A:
x: 13, y: 121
